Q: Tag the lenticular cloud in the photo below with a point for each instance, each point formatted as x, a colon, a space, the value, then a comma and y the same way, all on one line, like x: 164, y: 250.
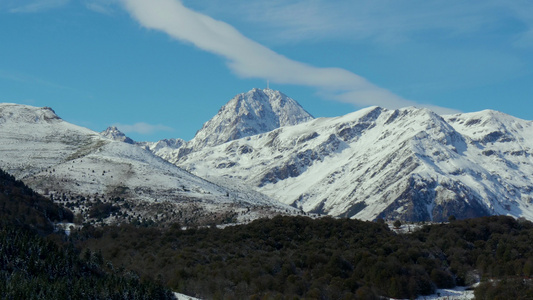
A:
x: 250, y: 59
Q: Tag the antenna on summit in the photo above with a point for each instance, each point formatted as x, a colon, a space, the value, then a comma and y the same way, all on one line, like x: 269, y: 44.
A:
x: 268, y: 85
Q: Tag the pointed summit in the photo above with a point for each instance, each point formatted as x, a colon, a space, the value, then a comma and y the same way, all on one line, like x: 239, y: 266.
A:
x: 114, y: 133
x: 251, y: 113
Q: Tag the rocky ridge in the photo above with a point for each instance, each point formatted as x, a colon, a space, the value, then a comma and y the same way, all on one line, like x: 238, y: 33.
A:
x: 73, y: 164
x: 409, y: 164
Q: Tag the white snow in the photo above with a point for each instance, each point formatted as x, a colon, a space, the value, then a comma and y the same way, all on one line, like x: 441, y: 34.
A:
x: 358, y: 165
x: 184, y: 297
x: 458, y: 293
x: 371, y: 156
x: 247, y: 114
x: 54, y: 157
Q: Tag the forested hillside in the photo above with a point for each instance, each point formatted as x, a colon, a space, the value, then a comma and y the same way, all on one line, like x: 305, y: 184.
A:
x: 22, y: 207
x: 300, y: 257
x: 36, y: 264
x: 282, y: 257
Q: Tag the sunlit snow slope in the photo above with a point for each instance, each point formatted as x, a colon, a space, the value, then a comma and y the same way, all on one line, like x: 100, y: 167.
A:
x: 56, y: 157
x: 409, y: 164
x: 254, y: 112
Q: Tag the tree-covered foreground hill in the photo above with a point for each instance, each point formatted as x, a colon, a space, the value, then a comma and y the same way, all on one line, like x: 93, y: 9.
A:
x: 34, y: 266
x: 279, y: 258
x: 300, y: 257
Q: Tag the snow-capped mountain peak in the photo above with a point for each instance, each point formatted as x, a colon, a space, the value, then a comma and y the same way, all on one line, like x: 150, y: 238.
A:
x: 57, y: 158
x: 16, y: 113
x: 251, y: 113
x: 115, y: 134
x: 408, y: 163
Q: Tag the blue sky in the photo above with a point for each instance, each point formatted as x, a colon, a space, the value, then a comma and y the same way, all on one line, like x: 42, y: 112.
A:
x: 161, y: 68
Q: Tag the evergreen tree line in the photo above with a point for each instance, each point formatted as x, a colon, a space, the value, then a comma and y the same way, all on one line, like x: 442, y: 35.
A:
x: 35, y: 263
x: 32, y: 267
x: 279, y: 258
x: 21, y: 206
x: 326, y: 258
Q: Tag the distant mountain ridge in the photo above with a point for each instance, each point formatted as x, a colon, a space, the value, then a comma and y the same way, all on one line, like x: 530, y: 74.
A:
x: 409, y: 164
x: 247, y: 114
x: 115, y: 134
x: 251, y: 113
x: 63, y: 160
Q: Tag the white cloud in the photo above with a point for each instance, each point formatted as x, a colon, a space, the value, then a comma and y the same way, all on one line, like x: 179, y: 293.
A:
x: 101, y: 6
x: 142, y: 128
x: 98, y: 8
x: 250, y: 59
x: 36, y: 6
x: 523, y: 11
x: 380, y: 21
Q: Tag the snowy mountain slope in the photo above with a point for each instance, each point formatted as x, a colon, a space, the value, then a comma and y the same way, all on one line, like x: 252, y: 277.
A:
x: 55, y: 157
x: 30, y: 142
x: 247, y: 114
x: 410, y: 164
x: 163, y: 148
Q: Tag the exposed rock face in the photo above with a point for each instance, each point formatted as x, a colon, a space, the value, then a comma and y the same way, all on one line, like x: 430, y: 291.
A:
x: 433, y: 201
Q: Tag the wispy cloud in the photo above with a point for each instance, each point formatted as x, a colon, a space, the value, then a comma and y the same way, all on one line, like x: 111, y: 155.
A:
x: 284, y: 20
x: 250, y: 59
x: 523, y: 11
x: 35, y: 6
x: 142, y: 128
x: 380, y: 21
x: 25, y: 78
x: 101, y: 6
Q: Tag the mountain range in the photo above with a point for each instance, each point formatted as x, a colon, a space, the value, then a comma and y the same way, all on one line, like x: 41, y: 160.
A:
x: 262, y: 154
x: 72, y: 163
x: 409, y: 164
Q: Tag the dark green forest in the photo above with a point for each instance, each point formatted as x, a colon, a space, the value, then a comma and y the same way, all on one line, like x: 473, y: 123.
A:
x: 326, y: 258
x: 278, y: 258
x: 35, y: 263
x: 20, y: 206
